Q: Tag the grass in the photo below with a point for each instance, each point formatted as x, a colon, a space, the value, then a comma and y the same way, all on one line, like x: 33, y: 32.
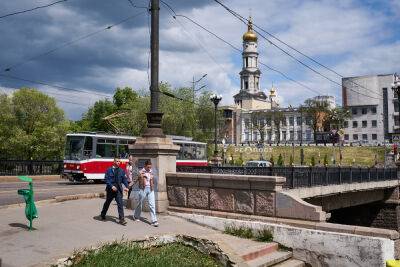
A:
x: 362, y: 156
x: 128, y: 253
x: 263, y: 235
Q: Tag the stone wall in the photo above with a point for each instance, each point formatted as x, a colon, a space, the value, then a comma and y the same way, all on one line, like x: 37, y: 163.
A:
x: 244, y: 194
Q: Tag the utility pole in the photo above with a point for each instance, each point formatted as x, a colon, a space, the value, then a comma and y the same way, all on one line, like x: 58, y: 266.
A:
x: 154, y: 117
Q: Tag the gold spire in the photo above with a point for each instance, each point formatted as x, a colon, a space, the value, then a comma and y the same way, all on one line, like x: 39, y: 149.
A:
x: 250, y: 35
x: 272, y: 92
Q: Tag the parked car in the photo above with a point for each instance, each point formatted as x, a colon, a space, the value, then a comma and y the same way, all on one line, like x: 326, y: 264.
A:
x: 258, y: 163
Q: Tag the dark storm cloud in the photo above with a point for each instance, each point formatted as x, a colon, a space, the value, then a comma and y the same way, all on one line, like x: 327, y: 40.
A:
x: 125, y: 46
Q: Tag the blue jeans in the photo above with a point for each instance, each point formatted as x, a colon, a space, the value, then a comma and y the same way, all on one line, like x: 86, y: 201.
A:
x: 143, y: 193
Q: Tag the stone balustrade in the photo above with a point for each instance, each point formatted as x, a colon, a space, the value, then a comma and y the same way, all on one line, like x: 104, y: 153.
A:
x: 244, y: 194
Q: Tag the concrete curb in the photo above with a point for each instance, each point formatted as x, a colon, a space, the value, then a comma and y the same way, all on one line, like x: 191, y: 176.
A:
x: 35, y: 178
x: 58, y: 199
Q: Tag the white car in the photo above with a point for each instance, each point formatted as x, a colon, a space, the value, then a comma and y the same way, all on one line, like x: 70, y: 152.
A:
x: 258, y: 163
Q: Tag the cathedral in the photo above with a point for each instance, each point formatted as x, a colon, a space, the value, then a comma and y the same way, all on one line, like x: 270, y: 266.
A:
x: 239, y: 118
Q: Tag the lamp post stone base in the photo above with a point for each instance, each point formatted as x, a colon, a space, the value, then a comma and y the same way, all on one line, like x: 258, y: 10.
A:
x: 162, y: 153
x: 216, y: 160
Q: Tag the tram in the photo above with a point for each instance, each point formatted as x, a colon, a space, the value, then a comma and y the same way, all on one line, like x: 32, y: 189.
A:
x: 88, y: 155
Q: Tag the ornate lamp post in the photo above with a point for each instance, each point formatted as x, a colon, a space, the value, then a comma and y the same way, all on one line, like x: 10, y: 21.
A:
x: 396, y: 89
x: 215, y: 99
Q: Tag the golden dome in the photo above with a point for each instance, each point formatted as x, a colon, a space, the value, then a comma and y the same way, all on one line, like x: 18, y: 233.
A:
x: 272, y: 92
x: 250, y: 35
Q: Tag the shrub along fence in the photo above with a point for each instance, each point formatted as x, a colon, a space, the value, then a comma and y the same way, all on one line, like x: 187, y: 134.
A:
x: 30, y: 167
x: 305, y: 176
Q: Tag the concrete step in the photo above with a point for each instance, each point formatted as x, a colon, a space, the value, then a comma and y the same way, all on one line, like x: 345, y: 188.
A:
x: 258, y: 250
x: 291, y: 263
x: 270, y: 259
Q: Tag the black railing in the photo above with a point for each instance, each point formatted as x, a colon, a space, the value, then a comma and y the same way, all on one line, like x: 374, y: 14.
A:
x: 305, y: 176
x: 30, y: 167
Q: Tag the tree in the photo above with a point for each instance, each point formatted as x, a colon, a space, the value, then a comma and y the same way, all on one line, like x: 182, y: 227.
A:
x: 259, y: 122
x: 93, y: 119
x: 326, y: 160
x: 336, y: 118
x: 317, y: 110
x: 124, y: 97
x: 280, y: 162
x: 313, y: 161
x: 277, y: 118
x: 37, y: 127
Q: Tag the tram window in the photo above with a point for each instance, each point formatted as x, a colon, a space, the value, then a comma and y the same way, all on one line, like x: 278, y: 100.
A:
x: 190, y: 151
x: 201, y: 152
x: 88, y: 147
x: 106, y: 150
x: 123, y: 151
x: 181, y: 152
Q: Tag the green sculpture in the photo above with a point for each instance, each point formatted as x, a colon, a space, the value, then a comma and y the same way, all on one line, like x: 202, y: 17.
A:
x: 30, y: 208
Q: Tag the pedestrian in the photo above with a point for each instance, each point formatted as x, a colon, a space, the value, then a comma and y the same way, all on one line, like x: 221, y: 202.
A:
x: 115, y: 177
x: 146, y: 190
x: 132, y: 173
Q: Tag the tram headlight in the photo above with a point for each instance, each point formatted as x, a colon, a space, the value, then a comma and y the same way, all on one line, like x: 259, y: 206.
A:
x: 65, y: 166
x: 78, y: 167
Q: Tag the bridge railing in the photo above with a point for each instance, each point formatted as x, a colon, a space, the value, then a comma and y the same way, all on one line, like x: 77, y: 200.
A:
x: 305, y: 176
x: 30, y: 167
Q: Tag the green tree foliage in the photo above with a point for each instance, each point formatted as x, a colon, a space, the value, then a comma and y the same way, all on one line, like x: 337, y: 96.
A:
x: 318, y: 112
x: 312, y: 161
x: 326, y: 160
x: 31, y: 126
x: 272, y: 160
x: 337, y: 117
x: 280, y: 161
x: 291, y: 160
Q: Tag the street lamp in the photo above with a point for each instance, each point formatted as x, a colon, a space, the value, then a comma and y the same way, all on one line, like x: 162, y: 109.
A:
x: 215, y: 99
x: 223, y: 141
x: 396, y: 90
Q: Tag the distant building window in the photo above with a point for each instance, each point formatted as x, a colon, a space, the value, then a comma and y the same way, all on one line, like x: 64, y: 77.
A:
x: 396, y: 120
x: 374, y: 123
x: 299, y: 121
x: 283, y: 135
x: 291, y: 121
x: 365, y: 137
x: 308, y: 121
x: 364, y: 124
x: 284, y: 122
x: 364, y: 110
x: 355, y: 136
x: 246, y: 85
x: 308, y: 135
x: 346, y: 137
x: 299, y: 135
x: 355, y: 124
x: 374, y: 136
x: 373, y: 110
x: 354, y: 111
x: 291, y: 135
x: 346, y: 124
x: 396, y: 106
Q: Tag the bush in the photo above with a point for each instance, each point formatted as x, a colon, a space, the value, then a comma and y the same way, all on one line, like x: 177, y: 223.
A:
x: 272, y: 160
x: 291, y: 160
x: 264, y: 235
x: 312, y: 161
x: 240, y: 231
x: 280, y: 162
x: 326, y: 160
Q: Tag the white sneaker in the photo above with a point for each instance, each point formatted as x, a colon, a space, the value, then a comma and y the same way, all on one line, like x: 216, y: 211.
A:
x: 135, y: 219
x: 155, y: 224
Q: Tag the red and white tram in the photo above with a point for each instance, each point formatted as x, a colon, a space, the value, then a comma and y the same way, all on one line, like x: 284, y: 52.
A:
x: 88, y: 155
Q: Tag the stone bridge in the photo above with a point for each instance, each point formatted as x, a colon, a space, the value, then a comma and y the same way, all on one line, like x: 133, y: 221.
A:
x: 286, y: 192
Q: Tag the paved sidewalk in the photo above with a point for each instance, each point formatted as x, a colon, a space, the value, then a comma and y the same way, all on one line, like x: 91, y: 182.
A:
x: 65, y: 226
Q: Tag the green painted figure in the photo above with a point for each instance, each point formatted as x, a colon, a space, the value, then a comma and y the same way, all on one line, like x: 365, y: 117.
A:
x: 30, y: 208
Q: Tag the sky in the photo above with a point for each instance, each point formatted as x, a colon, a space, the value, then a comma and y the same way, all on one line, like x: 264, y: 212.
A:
x: 352, y: 37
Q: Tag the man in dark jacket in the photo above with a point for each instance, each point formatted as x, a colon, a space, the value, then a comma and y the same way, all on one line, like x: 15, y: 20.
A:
x: 115, y: 177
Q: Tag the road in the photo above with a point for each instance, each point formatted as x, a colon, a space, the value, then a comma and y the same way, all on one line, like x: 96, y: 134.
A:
x: 44, y: 190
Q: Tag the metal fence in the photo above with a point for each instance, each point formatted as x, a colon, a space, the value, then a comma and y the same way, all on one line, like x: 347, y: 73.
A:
x: 305, y: 176
x: 30, y: 167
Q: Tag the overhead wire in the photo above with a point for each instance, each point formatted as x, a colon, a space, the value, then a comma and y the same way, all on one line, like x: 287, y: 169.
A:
x: 31, y: 9
x: 236, y: 48
x: 246, y: 21
x: 66, y: 44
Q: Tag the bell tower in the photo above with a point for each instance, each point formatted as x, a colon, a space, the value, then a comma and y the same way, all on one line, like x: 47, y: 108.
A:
x: 250, y: 96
